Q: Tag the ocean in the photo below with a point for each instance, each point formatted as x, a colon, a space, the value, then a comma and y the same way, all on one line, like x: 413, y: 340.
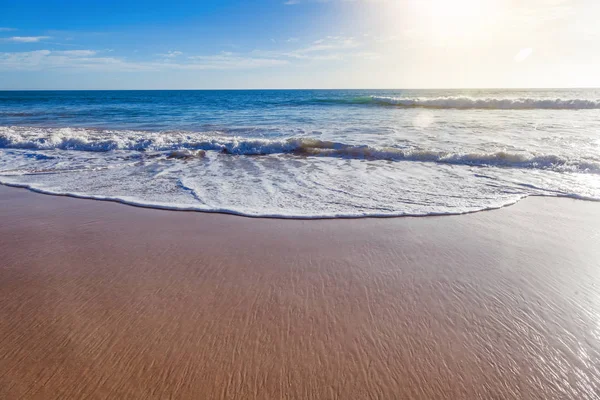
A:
x: 305, y: 153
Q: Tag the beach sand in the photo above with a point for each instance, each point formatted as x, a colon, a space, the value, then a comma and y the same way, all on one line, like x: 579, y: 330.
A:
x: 101, y: 300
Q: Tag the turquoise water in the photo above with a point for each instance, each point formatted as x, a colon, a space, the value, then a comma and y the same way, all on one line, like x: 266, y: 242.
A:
x: 305, y: 154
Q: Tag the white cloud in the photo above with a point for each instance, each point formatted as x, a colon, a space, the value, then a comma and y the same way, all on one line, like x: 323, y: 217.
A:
x: 228, y: 60
x: 89, y: 60
x: 76, y: 53
x: 27, y: 39
x: 328, y: 48
x: 171, y: 54
x: 367, y: 55
x: 5, y: 29
x: 75, y: 59
x: 22, y: 60
x: 330, y: 43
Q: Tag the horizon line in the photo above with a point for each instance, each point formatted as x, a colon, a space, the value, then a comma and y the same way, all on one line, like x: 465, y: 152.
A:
x: 298, y: 89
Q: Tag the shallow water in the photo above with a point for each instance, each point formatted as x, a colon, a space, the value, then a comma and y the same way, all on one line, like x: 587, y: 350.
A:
x: 330, y: 153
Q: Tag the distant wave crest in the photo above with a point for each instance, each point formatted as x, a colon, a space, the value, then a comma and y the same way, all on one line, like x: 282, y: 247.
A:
x: 489, y: 103
x: 471, y: 103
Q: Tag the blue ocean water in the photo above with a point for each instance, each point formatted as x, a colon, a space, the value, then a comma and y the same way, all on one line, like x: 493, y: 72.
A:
x: 305, y: 153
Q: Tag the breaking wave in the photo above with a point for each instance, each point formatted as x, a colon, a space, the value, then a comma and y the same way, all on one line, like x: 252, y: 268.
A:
x: 471, y: 103
x: 189, y: 144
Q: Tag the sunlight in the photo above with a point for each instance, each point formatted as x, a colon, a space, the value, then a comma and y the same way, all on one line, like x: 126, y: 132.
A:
x: 444, y: 20
x: 455, y: 19
x: 454, y: 9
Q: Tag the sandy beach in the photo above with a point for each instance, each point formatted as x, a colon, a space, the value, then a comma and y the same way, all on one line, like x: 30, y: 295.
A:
x: 101, y: 300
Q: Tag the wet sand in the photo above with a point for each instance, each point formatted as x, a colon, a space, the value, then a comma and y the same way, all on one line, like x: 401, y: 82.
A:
x: 100, y: 300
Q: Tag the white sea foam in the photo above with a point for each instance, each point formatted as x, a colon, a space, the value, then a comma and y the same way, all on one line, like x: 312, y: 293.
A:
x: 270, y: 186
x: 287, y: 187
x: 488, y: 103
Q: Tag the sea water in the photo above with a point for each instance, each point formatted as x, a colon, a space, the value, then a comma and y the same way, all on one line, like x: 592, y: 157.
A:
x: 305, y: 153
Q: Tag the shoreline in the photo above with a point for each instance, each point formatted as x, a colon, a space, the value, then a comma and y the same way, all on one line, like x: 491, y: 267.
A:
x: 108, y: 301
x: 280, y: 217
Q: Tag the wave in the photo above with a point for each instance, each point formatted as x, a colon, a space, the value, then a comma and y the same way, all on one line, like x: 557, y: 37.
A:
x: 471, y: 103
x: 491, y: 159
x: 184, y: 145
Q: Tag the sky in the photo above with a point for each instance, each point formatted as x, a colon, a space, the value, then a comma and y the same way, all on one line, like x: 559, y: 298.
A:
x: 235, y: 44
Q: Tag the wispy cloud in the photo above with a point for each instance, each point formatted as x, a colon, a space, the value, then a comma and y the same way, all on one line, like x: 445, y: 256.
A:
x: 76, y: 53
x: 330, y: 48
x: 171, y: 54
x: 27, y: 39
x: 91, y: 60
x: 5, y: 29
x: 329, y: 43
x: 367, y: 55
x: 228, y: 60
x: 73, y: 59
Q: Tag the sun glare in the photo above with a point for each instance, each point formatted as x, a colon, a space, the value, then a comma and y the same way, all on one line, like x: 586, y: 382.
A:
x: 455, y: 19
x: 443, y: 20
x: 453, y: 9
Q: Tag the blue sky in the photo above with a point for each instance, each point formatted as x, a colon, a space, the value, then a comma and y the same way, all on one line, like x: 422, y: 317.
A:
x: 47, y: 44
